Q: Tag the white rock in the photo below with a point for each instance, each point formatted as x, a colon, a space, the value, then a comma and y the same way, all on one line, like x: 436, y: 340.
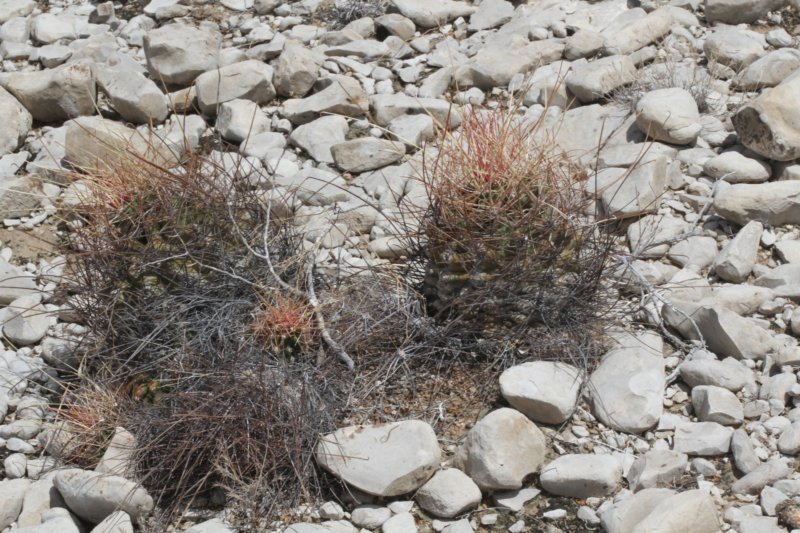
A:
x: 247, y: 80
x: 12, y: 492
x: 715, y: 404
x: 501, y: 450
x: 733, y: 47
x: 450, y: 492
x: 734, y: 167
x: 118, y: 459
x: 774, y: 203
x: 789, y: 441
x: 739, y: 11
x: 400, y: 523
x: 94, y: 496
x: 637, y: 191
x: 669, y: 115
x: 317, y: 137
x: 544, y: 391
x: 581, y: 475
x: 592, y: 80
x: 762, y: 476
x: 25, y: 320
x: 370, y: 516
x: 657, y: 468
x: 626, y: 389
x: 768, y: 124
x: 623, y: 515
x: 237, y: 120
x: 136, y: 98
x: 426, y: 14
x: 342, y: 96
x: 735, y: 262
x: 116, y: 522
x: 693, y: 510
x: 177, y: 53
x: 702, y: 438
x: 57, y: 94
x: 296, y: 70
x: 769, y: 70
x: 366, y: 153
x: 384, y: 460
x: 17, y: 121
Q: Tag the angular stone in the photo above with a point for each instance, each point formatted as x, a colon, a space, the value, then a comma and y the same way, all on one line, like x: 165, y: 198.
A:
x: 774, y: 203
x: 57, y: 94
x: 342, y: 95
x: 136, y: 98
x: 317, y: 137
x: 626, y: 389
x: 490, y: 14
x: 594, y: 79
x: 763, y: 475
x: 19, y: 196
x: 623, y: 515
x: 581, y: 475
x: 495, y: 66
x: 789, y: 441
x: 715, y: 404
x: 733, y: 47
x: 93, y: 496
x: 744, y: 455
x: 639, y: 33
x: 366, y: 153
x: 25, y: 320
x: 768, y: 124
x: 177, y: 53
x: 427, y: 14
x: 116, y: 522
x: 650, y: 236
x: 769, y: 70
x: 739, y: 11
x: 387, y: 107
x: 370, y: 516
x: 657, y: 468
x: 17, y: 122
x: 696, y: 251
x: 450, y: 492
x: 118, y: 459
x: 501, y: 450
x: 239, y: 119
x: 735, y: 262
x: 12, y: 493
x: 296, y: 70
x: 247, y: 80
x: 706, y: 439
x: 383, y: 460
x: 669, y: 115
x: 314, y: 186
x: 544, y: 391
x: 693, y: 510
x: 636, y: 192
x: 729, y: 374
x: 15, y: 8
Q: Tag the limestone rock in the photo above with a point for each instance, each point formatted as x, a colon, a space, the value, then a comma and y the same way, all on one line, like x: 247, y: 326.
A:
x: 136, y: 98
x: 735, y: 262
x: 715, y: 404
x: 366, y: 153
x: 626, y: 388
x: 17, y: 121
x: 94, y: 496
x: 177, y: 53
x: 317, y: 137
x: 426, y: 14
x: 247, y: 80
x: 739, y: 11
x: 768, y: 124
x: 450, y: 492
x: 734, y: 48
x: 296, y: 70
x: 57, y: 94
x: 239, y: 119
x: 669, y: 115
x: 591, y: 80
x: 544, y: 391
x: 12, y: 493
x: 383, y: 460
x: 501, y: 450
x: 342, y: 95
x: 693, y: 510
x: 581, y: 475
x: 702, y: 438
x: 657, y: 468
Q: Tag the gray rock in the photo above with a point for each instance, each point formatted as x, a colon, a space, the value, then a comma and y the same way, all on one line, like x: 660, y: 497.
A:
x: 364, y: 49
x: 696, y: 251
x: 637, y: 192
x: 715, y: 404
x: 15, y: 8
x: 387, y: 107
x: 296, y: 70
x: 490, y: 14
x: 118, y: 459
x: 370, y: 516
x: 788, y: 250
x: 760, y: 524
x: 639, y: 33
x: 789, y: 441
x: 216, y: 525
x: 57, y: 94
x: 384, y: 460
x: 735, y: 262
x: 238, y: 119
x: 501, y: 450
x: 136, y: 98
x: 247, y: 80
x: 317, y: 137
x: 178, y: 53
x: 314, y: 186
x: 426, y: 14
x: 583, y: 43
x: 744, y: 454
x: 581, y: 475
x: 734, y: 48
x: 366, y: 153
x: 669, y: 115
x: 515, y: 500
x: 768, y: 71
x: 17, y: 122
x: 397, y: 25
x: 14, y: 465
x: 53, y: 55
x: 450, y: 492
x: 40, y: 496
x: 19, y: 196
x: 623, y: 515
x: 400, y: 523
x: 779, y: 277
x: 56, y: 519
x: 734, y: 167
x: 496, y: 65
x: 116, y: 522
x: 729, y: 374
x: 412, y: 130
x: 342, y: 95
x: 544, y: 391
x: 726, y: 333
x: 739, y: 11
x: 626, y: 389
x: 651, y: 236
x: 25, y: 320
x: 763, y: 475
x: 767, y: 124
x: 702, y: 438
x: 657, y: 468
x: 48, y: 28
x: 12, y: 493
x: 693, y: 510
x: 94, y: 496
x: 774, y: 203
x: 592, y: 80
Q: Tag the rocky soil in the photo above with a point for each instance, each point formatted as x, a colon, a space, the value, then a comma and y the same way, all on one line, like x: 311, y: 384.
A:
x: 686, y: 114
